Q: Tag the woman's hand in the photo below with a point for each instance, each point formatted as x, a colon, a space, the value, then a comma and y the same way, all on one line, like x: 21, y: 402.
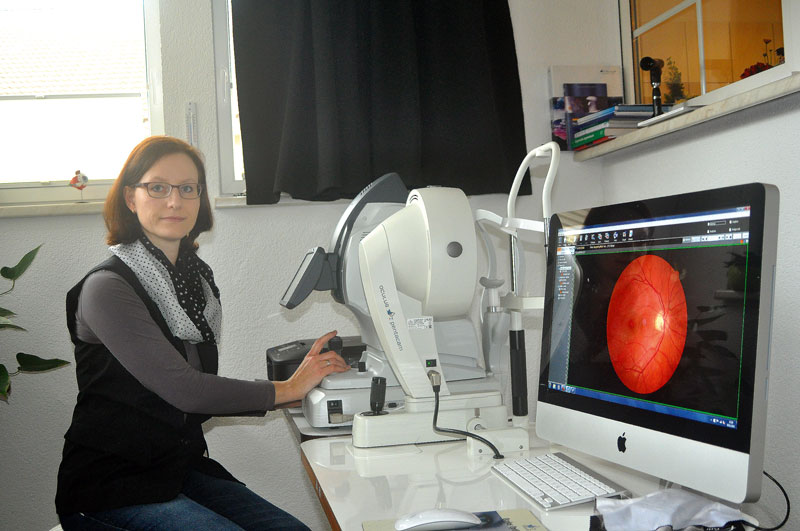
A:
x: 315, y: 366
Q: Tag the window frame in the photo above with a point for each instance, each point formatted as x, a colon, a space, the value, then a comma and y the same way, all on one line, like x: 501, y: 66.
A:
x: 223, y: 83
x: 790, y: 12
x: 58, y: 190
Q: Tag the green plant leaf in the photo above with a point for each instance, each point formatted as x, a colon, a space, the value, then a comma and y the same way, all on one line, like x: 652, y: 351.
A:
x: 31, y: 363
x: 6, y: 313
x: 5, y: 383
x: 6, y: 323
x: 13, y: 273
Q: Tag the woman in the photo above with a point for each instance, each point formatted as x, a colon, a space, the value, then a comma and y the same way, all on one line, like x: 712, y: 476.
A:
x: 145, y: 324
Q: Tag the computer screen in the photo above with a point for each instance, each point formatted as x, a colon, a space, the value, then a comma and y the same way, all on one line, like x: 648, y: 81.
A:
x: 656, y: 335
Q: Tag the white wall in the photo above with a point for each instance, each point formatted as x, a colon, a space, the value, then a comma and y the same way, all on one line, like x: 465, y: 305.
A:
x: 255, y: 250
x: 758, y: 144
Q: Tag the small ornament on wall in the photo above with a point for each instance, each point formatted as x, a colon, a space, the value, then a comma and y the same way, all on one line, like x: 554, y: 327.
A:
x: 79, y: 181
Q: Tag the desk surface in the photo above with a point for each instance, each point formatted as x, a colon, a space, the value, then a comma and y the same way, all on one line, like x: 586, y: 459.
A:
x: 356, y: 485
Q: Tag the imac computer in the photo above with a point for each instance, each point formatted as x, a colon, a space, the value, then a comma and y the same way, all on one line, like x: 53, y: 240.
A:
x: 656, y: 336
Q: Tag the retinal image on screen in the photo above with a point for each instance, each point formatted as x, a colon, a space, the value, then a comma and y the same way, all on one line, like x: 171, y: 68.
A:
x: 656, y: 334
x: 651, y: 313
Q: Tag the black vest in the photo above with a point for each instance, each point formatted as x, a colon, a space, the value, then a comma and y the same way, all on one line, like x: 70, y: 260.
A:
x: 126, y: 446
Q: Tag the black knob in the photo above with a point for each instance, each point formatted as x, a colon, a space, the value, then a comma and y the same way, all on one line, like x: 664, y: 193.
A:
x: 377, y: 394
x: 335, y: 344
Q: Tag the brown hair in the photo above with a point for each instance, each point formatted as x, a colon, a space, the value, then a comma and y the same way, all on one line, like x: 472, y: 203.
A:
x: 123, y: 225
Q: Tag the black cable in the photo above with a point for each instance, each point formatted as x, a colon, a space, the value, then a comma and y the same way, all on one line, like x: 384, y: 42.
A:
x: 497, y: 454
x: 735, y: 523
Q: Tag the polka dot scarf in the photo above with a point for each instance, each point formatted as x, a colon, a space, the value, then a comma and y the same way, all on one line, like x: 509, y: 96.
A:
x: 184, y: 293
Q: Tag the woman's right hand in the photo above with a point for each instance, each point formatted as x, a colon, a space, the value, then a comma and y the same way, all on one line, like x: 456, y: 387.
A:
x: 315, y: 366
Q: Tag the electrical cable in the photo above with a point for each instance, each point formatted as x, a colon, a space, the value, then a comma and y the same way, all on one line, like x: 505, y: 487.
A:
x: 435, y: 377
x: 745, y: 524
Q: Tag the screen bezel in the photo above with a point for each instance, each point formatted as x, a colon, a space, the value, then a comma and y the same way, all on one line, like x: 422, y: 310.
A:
x: 752, y: 195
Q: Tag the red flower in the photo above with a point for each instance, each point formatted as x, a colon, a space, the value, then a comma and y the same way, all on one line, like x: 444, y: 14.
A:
x: 754, y: 69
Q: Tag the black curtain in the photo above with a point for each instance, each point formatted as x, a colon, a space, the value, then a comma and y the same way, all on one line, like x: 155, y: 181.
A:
x: 334, y: 94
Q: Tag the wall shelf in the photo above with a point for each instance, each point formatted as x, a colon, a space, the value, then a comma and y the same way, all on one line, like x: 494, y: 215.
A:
x: 756, y: 96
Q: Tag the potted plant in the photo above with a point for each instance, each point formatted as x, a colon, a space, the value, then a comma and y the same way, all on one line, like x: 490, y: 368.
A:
x: 27, y: 362
x: 673, y: 83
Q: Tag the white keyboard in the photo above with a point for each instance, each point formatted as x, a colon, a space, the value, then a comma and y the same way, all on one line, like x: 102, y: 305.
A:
x: 554, y: 480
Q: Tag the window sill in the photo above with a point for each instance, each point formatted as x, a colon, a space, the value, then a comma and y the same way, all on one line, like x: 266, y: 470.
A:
x: 759, y: 95
x: 241, y: 202
x: 51, y: 209
x: 230, y: 202
x: 31, y: 210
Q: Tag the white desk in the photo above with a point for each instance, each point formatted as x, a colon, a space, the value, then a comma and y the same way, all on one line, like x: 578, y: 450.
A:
x: 355, y: 485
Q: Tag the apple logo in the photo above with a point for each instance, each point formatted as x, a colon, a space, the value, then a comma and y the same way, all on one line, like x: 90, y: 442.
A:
x: 621, y: 443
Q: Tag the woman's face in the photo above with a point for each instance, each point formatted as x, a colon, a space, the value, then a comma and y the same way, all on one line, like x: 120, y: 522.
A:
x: 165, y: 221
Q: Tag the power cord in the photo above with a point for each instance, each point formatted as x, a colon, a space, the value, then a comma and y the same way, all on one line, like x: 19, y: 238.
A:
x: 743, y: 524
x: 436, y: 383
x: 788, y: 507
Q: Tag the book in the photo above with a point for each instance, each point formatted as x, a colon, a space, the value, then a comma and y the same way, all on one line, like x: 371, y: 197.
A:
x: 505, y: 520
x: 637, y: 108
x: 588, y: 138
x: 595, y: 142
x: 589, y: 130
x: 629, y: 123
x: 598, y: 116
x: 609, y: 129
x: 579, y: 82
x: 620, y: 111
x: 581, y: 99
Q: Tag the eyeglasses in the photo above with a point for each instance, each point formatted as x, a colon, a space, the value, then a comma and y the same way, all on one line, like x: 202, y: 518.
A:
x: 162, y: 190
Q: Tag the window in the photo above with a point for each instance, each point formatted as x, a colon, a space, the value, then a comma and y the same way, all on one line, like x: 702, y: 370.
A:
x: 712, y: 49
x: 73, y: 95
x: 231, y: 169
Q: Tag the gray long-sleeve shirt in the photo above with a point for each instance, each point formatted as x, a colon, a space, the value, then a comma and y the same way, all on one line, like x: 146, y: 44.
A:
x: 110, y: 312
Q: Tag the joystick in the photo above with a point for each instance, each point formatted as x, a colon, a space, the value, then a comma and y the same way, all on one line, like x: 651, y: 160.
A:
x: 336, y: 344
x: 377, y: 396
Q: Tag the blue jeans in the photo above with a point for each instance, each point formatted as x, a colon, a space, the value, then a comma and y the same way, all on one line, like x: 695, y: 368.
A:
x: 204, y: 504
